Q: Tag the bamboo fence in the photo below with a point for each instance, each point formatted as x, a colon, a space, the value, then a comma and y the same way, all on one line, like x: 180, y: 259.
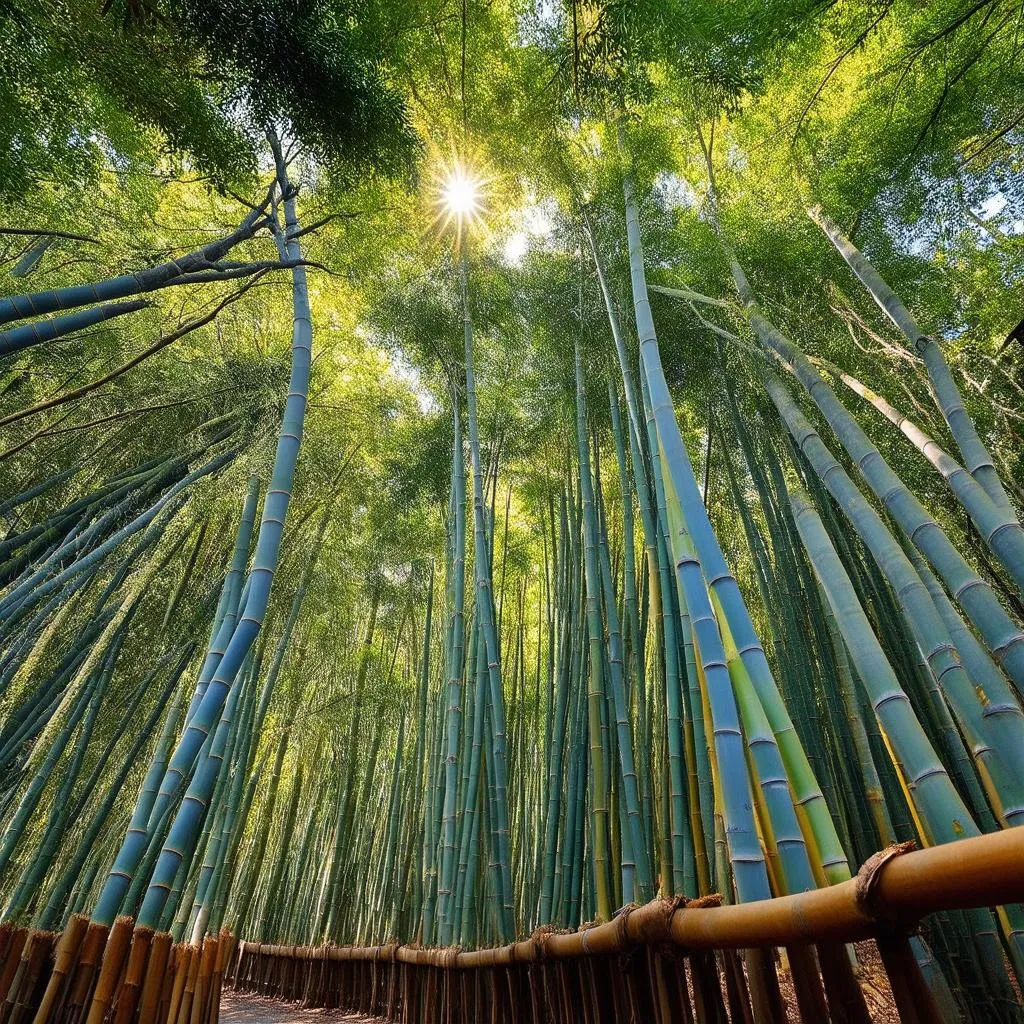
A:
x: 668, y: 960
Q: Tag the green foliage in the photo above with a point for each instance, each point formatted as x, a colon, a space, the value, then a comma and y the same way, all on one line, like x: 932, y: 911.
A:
x: 82, y: 90
x: 317, y: 65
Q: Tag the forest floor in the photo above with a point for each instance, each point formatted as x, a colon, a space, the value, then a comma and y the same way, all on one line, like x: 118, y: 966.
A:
x: 239, y: 1008
x: 874, y: 983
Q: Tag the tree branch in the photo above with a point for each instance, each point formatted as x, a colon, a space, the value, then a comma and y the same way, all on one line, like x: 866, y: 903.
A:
x: 52, y: 234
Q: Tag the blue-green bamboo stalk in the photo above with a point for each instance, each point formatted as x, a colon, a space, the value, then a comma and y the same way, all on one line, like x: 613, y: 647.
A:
x: 226, y: 616
x: 57, y: 899
x: 639, y: 839
x: 15, y: 339
x: 218, y: 753
x: 941, y: 812
x: 18, y: 307
x: 31, y: 257
x: 469, y: 841
x: 599, y: 830
x: 30, y: 798
x: 23, y: 497
x: 453, y: 716
x: 59, y: 816
x: 19, y: 601
x: 1002, y: 635
x: 485, y: 600
x: 218, y: 848
x: 996, y: 740
x: 275, y: 509
x: 807, y: 794
x: 558, y: 741
x: 91, y: 520
x: 997, y: 524
x: 386, y: 888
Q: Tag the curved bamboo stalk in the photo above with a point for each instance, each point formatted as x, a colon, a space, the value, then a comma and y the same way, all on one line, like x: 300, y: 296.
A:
x: 947, y: 396
x: 188, y: 820
x: 942, y: 811
x: 19, y: 307
x: 996, y: 740
x: 722, y: 582
x: 997, y: 525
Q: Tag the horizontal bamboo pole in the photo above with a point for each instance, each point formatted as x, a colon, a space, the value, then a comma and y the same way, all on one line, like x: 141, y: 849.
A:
x: 893, y: 890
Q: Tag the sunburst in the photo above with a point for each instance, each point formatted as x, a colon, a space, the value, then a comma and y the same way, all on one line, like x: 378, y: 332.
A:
x: 459, y: 194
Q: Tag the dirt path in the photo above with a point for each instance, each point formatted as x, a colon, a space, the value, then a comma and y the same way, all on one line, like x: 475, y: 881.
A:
x: 243, y: 1009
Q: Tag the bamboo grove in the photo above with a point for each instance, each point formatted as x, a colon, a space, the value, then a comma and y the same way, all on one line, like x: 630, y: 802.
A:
x: 499, y: 506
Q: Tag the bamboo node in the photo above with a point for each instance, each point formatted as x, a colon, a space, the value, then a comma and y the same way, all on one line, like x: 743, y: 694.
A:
x: 656, y: 926
x: 621, y: 919
x: 540, y: 935
x: 584, y: 930
x: 869, y: 877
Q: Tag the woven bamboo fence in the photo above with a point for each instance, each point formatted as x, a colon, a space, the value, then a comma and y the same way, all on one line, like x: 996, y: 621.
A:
x: 666, y: 961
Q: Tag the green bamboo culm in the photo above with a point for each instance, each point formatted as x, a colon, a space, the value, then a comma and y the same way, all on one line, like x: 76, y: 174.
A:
x: 485, y: 602
x: 942, y: 815
x: 189, y: 819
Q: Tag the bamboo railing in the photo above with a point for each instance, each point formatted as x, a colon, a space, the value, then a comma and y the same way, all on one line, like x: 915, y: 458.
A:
x: 667, y: 961
x: 655, y: 962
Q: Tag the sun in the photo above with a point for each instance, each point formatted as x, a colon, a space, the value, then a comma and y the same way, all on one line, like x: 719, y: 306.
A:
x: 459, y: 192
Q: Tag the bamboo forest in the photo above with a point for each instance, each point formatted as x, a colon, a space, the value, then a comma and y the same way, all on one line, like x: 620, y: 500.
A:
x: 510, y: 511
